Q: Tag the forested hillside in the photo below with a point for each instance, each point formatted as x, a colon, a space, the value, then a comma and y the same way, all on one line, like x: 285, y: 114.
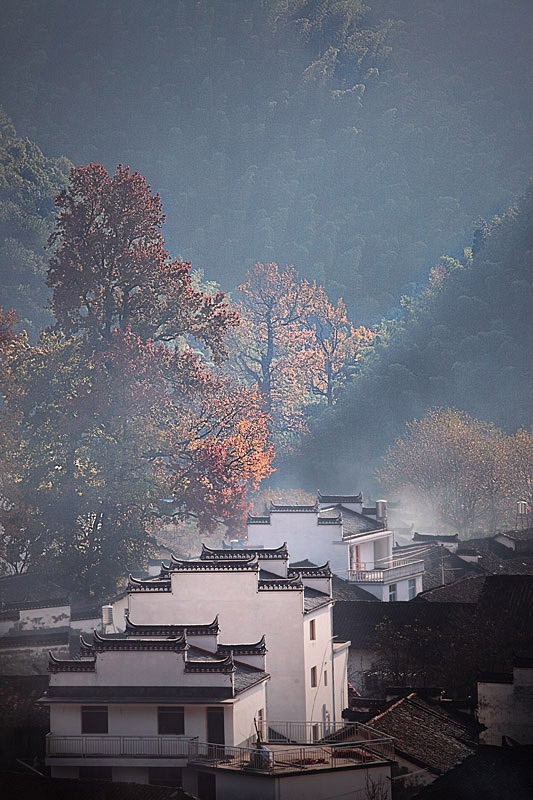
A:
x: 357, y: 142
x: 28, y: 185
x: 464, y: 342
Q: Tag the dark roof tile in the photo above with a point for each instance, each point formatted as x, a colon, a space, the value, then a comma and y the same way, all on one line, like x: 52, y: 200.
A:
x: 425, y: 734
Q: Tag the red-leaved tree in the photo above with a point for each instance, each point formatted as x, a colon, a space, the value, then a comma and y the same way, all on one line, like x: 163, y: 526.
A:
x: 121, y: 406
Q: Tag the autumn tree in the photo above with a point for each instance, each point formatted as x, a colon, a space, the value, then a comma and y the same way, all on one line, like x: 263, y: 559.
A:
x: 293, y: 344
x: 455, y: 465
x: 338, y: 346
x: 274, y: 348
x: 121, y: 405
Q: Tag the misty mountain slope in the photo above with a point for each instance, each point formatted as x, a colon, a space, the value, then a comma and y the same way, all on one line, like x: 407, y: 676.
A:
x: 356, y: 143
x: 466, y: 342
x: 28, y: 185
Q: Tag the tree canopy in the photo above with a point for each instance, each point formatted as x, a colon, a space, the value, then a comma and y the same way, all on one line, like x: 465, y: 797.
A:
x: 113, y: 412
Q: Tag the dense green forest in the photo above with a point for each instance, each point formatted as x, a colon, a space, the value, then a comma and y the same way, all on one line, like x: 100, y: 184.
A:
x: 357, y: 142
x: 465, y: 342
x: 28, y: 184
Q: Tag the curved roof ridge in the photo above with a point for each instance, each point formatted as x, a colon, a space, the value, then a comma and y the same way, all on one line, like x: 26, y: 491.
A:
x: 259, y: 646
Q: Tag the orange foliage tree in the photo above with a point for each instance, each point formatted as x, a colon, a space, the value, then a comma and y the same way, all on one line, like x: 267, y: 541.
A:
x: 293, y: 344
x: 122, y: 405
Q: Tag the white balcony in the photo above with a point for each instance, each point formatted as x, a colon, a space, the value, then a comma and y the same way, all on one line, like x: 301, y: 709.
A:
x: 104, y: 746
x: 287, y: 746
x: 394, y: 570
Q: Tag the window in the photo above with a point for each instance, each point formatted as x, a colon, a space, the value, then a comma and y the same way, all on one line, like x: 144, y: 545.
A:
x: 313, y: 677
x: 170, y: 721
x: 312, y: 629
x: 95, y: 773
x: 411, y: 590
x: 392, y: 592
x: 94, y: 719
x: 325, y: 677
x: 164, y: 776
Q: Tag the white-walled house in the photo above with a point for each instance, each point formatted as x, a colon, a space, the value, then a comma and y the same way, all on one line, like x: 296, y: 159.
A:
x: 352, y: 538
x: 167, y: 700
x: 505, y: 704
x: 310, y: 685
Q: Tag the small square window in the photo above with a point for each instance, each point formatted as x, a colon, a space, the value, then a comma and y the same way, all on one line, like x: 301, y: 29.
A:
x: 94, y: 719
x: 312, y: 629
x: 170, y: 720
x: 313, y: 677
x: 392, y: 593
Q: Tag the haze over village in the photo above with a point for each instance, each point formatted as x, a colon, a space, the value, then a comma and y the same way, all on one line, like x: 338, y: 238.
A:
x: 266, y: 447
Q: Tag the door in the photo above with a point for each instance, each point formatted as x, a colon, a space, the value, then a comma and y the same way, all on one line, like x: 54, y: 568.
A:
x: 215, y: 725
x: 215, y: 732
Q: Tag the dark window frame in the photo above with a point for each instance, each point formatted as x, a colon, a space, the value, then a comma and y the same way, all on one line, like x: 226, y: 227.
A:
x: 171, y: 720
x: 92, y: 719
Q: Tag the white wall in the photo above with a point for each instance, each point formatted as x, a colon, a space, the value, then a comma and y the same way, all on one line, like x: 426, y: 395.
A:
x: 359, y: 662
x: 305, y: 538
x: 506, y: 709
x: 240, y: 727
x: 319, y: 700
x: 244, y: 614
x: 340, y: 665
x: 52, y: 617
x: 343, y: 784
x: 141, y: 719
x: 140, y: 668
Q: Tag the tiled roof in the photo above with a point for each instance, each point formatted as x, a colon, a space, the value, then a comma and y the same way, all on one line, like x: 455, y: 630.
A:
x: 352, y: 521
x: 345, y: 590
x: 46, y: 637
x: 340, y: 498
x: 322, y: 571
x: 525, y: 535
x: 357, y: 621
x: 244, y: 554
x: 492, y: 773
x: 435, y: 538
x: 148, y: 585
x: 258, y: 648
x: 71, y: 664
x: 137, y: 694
x: 464, y: 590
x: 314, y: 599
x: 492, y: 593
x: 30, y: 590
x: 101, y: 644
x: 280, y: 585
x: 293, y: 508
x: 245, y: 677
x: 133, y: 629
x: 213, y: 664
x: 246, y: 563
x: 425, y: 734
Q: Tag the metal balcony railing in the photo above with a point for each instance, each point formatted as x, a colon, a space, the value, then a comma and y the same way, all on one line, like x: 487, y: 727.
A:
x: 275, y: 758
x: 342, y: 745
x: 392, y: 571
